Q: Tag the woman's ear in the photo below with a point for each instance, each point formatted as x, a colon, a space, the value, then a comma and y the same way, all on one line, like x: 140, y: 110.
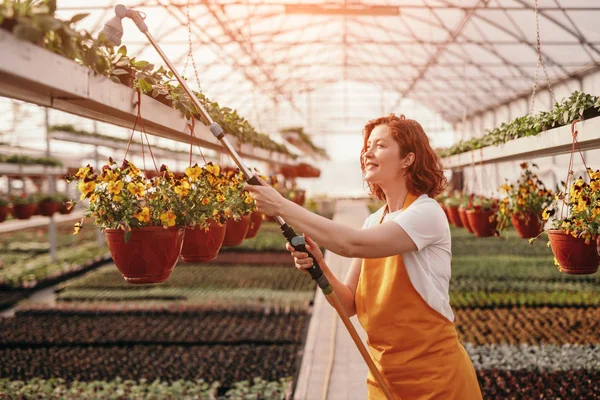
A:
x: 409, y: 160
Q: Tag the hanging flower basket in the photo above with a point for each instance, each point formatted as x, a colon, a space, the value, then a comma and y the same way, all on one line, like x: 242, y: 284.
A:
x: 236, y: 231
x: 573, y: 255
x: 465, y: 220
x: 527, y: 225
x: 4, y: 210
x: 201, y: 245
x: 454, y: 216
x: 24, y: 211
x: 149, y: 255
x: 65, y: 208
x: 48, y: 207
x: 256, y: 219
x: 482, y: 222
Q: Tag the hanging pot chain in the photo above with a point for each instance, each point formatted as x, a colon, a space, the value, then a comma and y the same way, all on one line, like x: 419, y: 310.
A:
x: 540, y: 61
x: 190, y: 55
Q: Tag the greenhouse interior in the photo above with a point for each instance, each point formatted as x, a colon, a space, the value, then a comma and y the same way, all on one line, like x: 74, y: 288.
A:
x: 383, y: 200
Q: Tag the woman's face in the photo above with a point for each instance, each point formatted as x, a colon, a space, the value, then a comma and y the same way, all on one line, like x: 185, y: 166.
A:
x: 382, y: 158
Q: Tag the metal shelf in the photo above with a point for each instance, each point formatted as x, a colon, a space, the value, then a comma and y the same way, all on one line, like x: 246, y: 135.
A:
x: 552, y: 142
x: 35, y: 75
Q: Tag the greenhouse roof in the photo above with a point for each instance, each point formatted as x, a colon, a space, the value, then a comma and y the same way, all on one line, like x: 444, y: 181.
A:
x: 456, y: 58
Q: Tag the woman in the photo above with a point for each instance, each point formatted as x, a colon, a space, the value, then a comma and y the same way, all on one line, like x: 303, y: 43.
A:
x: 400, y: 273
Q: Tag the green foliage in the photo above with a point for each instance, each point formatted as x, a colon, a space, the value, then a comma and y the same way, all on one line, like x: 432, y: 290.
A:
x: 28, y: 160
x: 118, y: 389
x: 577, y: 106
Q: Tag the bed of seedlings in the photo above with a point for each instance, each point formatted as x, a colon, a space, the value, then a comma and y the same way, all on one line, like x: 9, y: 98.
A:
x: 531, y: 331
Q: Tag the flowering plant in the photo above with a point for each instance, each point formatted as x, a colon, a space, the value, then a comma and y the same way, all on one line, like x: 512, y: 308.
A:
x: 453, y: 200
x: 238, y: 201
x: 583, y: 208
x: 482, y: 203
x: 203, y: 191
x: 526, y: 197
x: 121, y: 198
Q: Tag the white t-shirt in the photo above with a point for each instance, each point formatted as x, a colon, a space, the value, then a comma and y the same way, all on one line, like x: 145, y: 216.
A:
x: 429, y: 267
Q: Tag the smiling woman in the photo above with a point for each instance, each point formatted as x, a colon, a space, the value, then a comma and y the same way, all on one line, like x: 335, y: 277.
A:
x: 399, y: 277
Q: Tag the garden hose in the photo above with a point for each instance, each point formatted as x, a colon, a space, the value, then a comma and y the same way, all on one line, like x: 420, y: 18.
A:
x: 113, y: 31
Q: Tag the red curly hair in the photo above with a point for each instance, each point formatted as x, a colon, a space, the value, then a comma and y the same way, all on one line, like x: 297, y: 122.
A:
x: 425, y: 175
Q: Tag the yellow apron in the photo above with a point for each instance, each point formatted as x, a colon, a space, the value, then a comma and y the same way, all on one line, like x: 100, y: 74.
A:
x: 414, y: 346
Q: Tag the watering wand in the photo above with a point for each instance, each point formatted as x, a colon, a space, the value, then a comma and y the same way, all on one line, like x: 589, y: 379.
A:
x: 113, y: 30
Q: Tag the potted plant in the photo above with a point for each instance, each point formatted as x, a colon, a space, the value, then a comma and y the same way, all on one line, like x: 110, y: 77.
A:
x: 466, y: 203
x: 123, y: 68
x: 204, y: 189
x: 239, y: 207
x: 452, y: 204
x: 524, y: 203
x: 4, y: 208
x: 23, y: 206
x: 142, y: 220
x: 574, y: 238
x: 482, y: 216
x: 48, y: 204
x: 66, y: 206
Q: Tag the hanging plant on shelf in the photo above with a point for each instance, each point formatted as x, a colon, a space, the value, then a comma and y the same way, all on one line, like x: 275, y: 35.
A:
x: 203, y: 191
x: 142, y: 220
x: 574, y: 237
x: 524, y: 203
x: 239, y: 206
x: 482, y: 216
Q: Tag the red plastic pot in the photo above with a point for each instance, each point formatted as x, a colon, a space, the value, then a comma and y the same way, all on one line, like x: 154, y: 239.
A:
x: 24, y: 211
x: 64, y: 209
x: 480, y: 222
x: 236, y: 231
x: 527, y: 225
x: 255, y: 223
x: 574, y: 256
x: 48, y: 208
x: 454, y: 216
x: 150, y: 254
x: 203, y: 244
x: 465, y: 220
x: 4, y: 210
x: 127, y: 79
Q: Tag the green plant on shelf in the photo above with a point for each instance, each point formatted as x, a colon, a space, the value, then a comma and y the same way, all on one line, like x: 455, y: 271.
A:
x: 22, y: 199
x: 27, y: 160
x: 578, y: 105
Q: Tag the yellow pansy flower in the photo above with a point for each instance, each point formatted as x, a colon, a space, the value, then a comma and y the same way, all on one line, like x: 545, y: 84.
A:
x: 581, y: 205
x: 115, y: 187
x: 183, y: 189
x: 136, y: 189
x: 220, y: 198
x: 83, y: 172
x: 213, y: 169
x: 193, y: 172
x: 168, y: 218
x: 248, y: 199
x: 143, y: 215
x: 205, y: 201
x: 86, y: 188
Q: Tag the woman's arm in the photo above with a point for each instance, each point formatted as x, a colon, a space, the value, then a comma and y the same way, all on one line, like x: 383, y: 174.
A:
x: 379, y: 241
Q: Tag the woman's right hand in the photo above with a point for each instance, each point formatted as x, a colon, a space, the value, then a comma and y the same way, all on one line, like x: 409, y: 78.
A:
x: 301, y: 259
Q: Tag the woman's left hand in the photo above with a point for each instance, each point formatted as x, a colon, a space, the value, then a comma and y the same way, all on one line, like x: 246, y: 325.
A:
x: 268, y: 200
